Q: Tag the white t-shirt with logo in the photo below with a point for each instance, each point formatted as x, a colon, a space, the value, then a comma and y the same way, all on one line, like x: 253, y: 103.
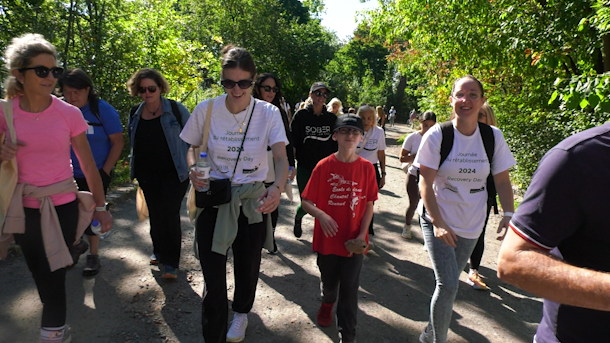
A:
x: 375, y: 142
x: 460, y: 185
x: 266, y: 128
x: 411, y: 144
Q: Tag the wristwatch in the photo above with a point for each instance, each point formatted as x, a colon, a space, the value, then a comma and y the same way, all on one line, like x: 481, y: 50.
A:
x: 383, y: 173
x: 102, y: 208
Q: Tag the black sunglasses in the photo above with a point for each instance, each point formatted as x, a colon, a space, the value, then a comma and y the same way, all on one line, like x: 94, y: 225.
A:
x: 320, y: 93
x: 151, y: 89
x: 42, y: 71
x: 230, y: 84
x: 269, y: 89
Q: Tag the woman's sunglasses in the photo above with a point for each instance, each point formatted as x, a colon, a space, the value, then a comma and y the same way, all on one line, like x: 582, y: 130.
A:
x: 43, y: 72
x: 320, y: 94
x: 150, y: 89
x: 230, y: 84
x: 269, y: 89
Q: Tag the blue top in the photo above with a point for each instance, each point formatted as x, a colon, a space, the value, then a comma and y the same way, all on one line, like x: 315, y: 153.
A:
x: 97, y: 134
x: 171, y: 129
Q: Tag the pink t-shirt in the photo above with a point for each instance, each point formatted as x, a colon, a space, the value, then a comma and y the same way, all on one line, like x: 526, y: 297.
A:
x: 45, y: 159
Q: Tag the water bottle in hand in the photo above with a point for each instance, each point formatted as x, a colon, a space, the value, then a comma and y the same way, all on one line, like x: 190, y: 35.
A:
x: 96, y: 227
x: 203, y: 168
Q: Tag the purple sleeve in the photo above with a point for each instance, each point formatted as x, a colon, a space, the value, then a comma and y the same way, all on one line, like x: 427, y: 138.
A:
x: 551, y: 210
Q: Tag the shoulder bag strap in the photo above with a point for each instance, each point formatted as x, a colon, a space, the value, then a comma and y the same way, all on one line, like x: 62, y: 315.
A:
x: 243, y: 140
x: 206, y: 126
x: 447, y: 141
x: 365, y: 140
x: 176, y: 112
x: 7, y: 108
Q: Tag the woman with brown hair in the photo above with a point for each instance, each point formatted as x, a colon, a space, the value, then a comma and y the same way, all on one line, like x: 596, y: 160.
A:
x: 240, y: 130
x: 158, y: 161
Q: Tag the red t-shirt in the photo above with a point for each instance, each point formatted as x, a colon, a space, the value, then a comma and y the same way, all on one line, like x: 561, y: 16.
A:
x: 342, y: 190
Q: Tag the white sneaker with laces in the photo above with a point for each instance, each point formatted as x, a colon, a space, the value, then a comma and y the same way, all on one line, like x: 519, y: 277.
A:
x: 406, y: 232
x: 237, y: 331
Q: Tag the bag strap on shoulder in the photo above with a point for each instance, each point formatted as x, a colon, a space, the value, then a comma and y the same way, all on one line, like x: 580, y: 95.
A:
x: 447, y: 141
x: 7, y: 108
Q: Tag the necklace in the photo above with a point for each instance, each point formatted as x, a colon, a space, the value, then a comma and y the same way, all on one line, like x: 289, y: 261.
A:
x: 153, y: 113
x: 243, y: 122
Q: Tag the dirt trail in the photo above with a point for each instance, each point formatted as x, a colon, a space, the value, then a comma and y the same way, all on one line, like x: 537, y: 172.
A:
x: 129, y: 302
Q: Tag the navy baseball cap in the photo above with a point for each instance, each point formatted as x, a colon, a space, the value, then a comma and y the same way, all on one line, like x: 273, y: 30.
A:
x: 351, y: 121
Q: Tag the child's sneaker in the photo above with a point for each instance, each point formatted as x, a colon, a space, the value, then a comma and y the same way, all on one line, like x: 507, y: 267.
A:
x: 237, y: 331
x: 169, y: 272
x: 406, y: 232
x: 325, y: 314
x: 475, y: 280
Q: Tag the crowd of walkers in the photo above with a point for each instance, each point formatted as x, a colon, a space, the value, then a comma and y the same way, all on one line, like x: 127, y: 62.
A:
x: 458, y: 169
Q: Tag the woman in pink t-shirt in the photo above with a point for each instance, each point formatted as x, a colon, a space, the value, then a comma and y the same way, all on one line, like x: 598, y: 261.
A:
x: 46, y: 128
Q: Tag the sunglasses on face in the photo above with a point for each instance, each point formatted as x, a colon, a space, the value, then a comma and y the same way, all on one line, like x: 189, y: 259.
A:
x: 270, y: 89
x: 150, y: 89
x: 320, y: 93
x: 345, y: 131
x: 230, y: 84
x: 42, y: 71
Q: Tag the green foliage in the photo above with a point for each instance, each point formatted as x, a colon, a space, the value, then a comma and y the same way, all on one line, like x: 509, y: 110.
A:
x: 517, y: 49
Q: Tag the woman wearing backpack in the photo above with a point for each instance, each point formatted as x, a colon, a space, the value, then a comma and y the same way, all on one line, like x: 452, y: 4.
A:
x: 105, y: 137
x: 158, y: 161
x: 455, y: 197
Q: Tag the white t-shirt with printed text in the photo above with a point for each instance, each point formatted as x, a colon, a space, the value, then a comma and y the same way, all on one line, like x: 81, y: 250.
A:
x: 375, y: 142
x: 411, y: 144
x: 266, y: 128
x: 460, y: 185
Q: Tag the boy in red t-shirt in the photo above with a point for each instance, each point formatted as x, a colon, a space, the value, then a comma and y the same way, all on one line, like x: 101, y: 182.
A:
x: 340, y: 195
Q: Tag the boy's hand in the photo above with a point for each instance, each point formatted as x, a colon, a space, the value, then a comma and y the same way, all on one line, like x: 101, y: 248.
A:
x: 356, y: 246
x: 329, y: 225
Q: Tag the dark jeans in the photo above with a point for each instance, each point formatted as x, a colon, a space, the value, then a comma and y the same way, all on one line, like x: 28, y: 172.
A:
x: 303, y: 175
x: 164, y: 198
x: 51, y: 285
x: 247, y: 261
x: 340, y: 276
x: 83, y: 186
x: 477, y: 253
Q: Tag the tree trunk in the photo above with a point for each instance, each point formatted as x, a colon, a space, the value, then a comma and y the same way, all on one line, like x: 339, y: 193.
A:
x: 606, y: 51
x: 69, y: 34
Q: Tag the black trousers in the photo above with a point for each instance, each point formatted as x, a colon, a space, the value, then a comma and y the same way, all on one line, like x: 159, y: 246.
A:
x: 340, y: 276
x: 164, y: 199
x: 51, y: 285
x: 83, y: 186
x: 247, y: 259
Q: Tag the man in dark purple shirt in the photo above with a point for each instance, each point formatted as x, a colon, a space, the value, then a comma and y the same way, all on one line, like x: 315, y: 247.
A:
x: 566, y: 209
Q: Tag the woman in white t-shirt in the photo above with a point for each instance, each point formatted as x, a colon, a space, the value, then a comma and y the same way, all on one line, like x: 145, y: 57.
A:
x: 407, y: 156
x: 241, y: 224
x: 372, y: 147
x: 455, y: 197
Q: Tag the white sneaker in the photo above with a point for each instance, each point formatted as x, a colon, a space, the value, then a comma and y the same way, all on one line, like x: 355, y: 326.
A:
x: 406, y: 232
x: 237, y: 331
x: 425, y: 247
